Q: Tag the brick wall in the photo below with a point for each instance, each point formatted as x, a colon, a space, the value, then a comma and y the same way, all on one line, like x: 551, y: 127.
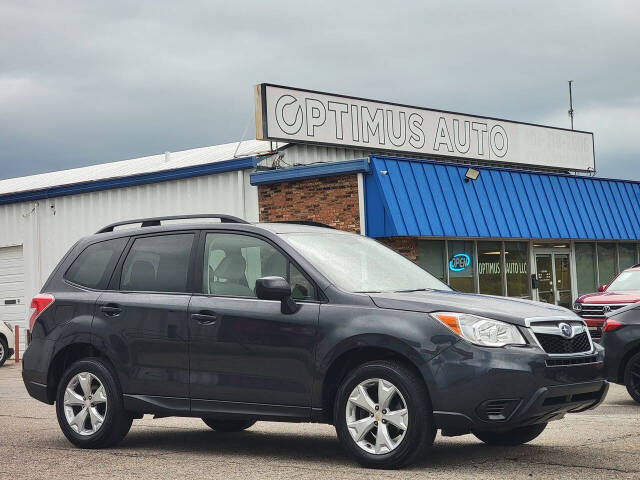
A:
x: 329, y: 200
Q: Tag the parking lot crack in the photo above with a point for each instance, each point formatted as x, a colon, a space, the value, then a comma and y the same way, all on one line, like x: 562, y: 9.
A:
x: 570, y: 465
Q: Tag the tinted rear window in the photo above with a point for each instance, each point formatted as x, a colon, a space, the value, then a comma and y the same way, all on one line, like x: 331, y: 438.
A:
x: 157, y: 264
x: 94, y: 265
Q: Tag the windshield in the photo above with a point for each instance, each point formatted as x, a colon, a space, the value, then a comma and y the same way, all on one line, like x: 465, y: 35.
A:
x: 626, y: 282
x: 359, y: 264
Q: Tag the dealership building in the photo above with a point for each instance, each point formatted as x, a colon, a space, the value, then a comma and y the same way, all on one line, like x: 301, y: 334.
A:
x: 486, y: 205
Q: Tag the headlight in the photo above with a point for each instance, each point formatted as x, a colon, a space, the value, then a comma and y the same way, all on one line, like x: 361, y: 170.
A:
x: 481, y: 331
x: 577, y: 307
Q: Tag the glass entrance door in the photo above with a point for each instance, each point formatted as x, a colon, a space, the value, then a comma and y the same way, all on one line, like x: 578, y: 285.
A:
x: 554, y: 278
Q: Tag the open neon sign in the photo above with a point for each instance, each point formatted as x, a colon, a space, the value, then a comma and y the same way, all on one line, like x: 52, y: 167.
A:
x: 459, y: 262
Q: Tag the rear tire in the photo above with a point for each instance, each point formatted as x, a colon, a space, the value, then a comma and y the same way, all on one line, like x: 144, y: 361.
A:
x: 517, y: 436
x: 228, y: 425
x: 632, y: 377
x: 4, y: 351
x: 383, y: 415
x: 89, y: 405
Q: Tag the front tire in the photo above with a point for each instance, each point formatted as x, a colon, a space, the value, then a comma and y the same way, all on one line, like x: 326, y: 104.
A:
x: 383, y: 415
x: 228, y: 425
x: 632, y: 377
x: 89, y: 405
x: 4, y: 351
x: 517, y: 436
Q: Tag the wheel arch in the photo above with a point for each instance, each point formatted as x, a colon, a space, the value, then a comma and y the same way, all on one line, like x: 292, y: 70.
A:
x: 65, y: 357
x: 358, y: 353
x: 627, y: 356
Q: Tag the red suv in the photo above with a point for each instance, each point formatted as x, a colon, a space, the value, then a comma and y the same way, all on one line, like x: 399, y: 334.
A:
x: 593, y: 307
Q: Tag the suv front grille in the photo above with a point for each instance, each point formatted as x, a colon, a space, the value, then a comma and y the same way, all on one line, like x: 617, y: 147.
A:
x: 555, y: 344
x: 598, y: 311
x: 569, y: 362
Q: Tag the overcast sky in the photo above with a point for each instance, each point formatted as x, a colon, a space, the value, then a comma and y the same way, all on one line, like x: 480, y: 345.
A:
x: 91, y: 82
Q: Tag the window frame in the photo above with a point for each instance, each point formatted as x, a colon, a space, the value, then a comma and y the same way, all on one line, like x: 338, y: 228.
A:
x: 116, y: 278
x: 198, y: 286
x: 109, y: 270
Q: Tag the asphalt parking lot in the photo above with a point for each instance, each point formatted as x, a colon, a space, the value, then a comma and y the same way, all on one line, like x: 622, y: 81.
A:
x: 604, y: 443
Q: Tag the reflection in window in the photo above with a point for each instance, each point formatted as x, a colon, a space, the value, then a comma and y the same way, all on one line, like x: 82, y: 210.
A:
x: 626, y: 255
x: 461, y: 266
x: 431, y: 257
x: 606, y: 262
x: 490, y: 268
x: 517, y: 266
x: 586, y: 268
x: 234, y: 262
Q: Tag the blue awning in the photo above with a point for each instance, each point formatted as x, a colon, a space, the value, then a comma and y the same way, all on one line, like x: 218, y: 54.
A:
x: 408, y: 197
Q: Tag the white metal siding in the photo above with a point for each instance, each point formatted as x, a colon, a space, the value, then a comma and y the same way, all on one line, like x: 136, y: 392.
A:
x: 48, y: 228
x: 12, y: 300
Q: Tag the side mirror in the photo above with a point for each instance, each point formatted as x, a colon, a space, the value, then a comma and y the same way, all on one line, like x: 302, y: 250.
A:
x: 276, y: 288
x: 602, y: 288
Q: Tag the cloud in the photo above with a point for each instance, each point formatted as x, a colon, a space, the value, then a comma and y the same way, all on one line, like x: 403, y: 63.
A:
x: 84, y: 83
x: 615, y: 127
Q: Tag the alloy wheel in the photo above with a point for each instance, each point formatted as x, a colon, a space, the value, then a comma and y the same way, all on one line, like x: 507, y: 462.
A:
x: 85, y: 403
x: 1, y: 350
x: 377, y: 416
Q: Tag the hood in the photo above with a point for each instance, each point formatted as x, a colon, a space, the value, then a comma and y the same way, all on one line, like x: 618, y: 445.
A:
x: 610, y: 297
x: 510, y: 310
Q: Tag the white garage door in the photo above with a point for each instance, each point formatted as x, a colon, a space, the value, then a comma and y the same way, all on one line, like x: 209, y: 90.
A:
x: 12, y: 302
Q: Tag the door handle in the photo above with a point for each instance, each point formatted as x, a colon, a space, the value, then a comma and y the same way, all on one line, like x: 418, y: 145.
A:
x: 111, y: 310
x: 204, y: 318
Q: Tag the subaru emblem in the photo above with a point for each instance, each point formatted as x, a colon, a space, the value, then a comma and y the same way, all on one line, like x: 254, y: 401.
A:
x: 566, y: 330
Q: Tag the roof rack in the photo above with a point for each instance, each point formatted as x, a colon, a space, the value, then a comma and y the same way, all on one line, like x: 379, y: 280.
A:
x: 155, y: 221
x: 310, y: 223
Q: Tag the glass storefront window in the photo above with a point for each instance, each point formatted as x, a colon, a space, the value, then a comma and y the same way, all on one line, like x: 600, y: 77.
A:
x: 626, y: 255
x: 490, y: 268
x: 431, y: 257
x: 461, y: 266
x: 517, y: 266
x: 606, y: 262
x: 586, y: 268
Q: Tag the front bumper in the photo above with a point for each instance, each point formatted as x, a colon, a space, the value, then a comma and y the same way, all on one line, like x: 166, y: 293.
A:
x: 504, y: 388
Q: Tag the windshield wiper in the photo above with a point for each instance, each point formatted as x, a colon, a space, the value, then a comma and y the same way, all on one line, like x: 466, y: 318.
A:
x: 414, y: 290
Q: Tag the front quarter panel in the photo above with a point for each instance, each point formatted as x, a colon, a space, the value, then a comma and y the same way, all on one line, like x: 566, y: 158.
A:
x: 413, y: 335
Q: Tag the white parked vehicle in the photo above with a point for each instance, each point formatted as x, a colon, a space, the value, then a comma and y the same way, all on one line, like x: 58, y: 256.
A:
x: 6, y: 341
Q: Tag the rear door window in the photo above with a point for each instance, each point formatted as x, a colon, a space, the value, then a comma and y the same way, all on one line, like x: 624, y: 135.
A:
x: 158, y: 264
x: 94, y: 265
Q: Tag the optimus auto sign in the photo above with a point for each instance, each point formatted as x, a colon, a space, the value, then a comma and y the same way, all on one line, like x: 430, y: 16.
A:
x: 304, y: 116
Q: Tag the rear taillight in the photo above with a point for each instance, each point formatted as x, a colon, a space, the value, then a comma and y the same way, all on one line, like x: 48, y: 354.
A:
x: 611, y: 325
x: 39, y: 304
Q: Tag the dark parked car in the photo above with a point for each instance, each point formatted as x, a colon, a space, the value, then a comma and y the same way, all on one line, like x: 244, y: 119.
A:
x: 235, y: 322
x: 621, y: 339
